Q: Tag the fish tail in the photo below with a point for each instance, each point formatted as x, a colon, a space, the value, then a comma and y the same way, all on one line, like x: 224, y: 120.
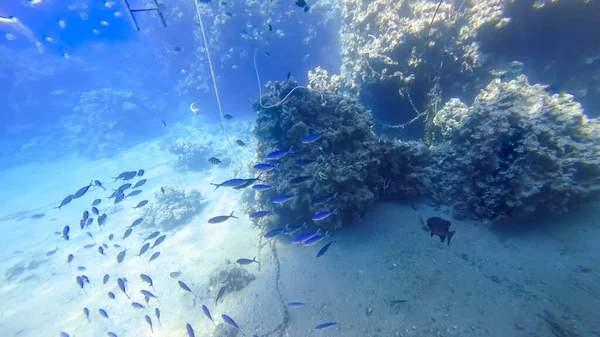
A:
x: 450, y: 234
x: 215, y: 185
x: 231, y: 215
x: 335, y: 211
x: 335, y: 196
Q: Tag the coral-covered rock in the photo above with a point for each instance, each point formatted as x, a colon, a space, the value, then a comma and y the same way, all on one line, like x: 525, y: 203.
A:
x: 173, y: 208
x: 191, y: 156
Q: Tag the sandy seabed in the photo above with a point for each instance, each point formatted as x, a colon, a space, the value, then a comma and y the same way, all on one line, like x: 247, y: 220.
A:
x: 495, y: 279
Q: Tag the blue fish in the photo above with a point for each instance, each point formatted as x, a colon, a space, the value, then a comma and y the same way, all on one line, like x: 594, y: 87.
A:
x: 230, y: 183
x: 324, y: 249
x: 323, y: 215
x: 138, y: 305
x: 274, y: 232
x: 207, y: 313
x: 283, y: 198
x: 296, y: 304
x: 230, y: 321
x: 324, y: 199
x: 190, y: 330
x: 260, y: 214
x: 103, y: 312
x: 261, y: 188
x: 244, y: 261
x: 298, y: 180
x: 221, y: 218
x: 312, y: 138
x: 276, y: 155
x: 266, y: 167
x: 306, y: 236
x: 315, y: 239
x: 112, y: 334
x: 304, y: 162
x: 324, y: 325
x: 293, y: 229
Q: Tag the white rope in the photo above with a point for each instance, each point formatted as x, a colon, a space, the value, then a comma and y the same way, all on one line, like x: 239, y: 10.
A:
x: 212, y: 73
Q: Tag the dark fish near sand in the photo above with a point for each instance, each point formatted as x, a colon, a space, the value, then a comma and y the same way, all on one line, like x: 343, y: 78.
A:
x: 65, y: 201
x: 228, y: 117
x: 70, y: 258
x: 121, y: 256
x: 240, y: 143
x: 101, y: 219
x: 127, y: 233
x: 214, y: 160
x: 96, y: 202
x: 221, y: 218
x: 133, y: 193
x: 111, y: 295
x: 112, y: 334
x: 123, y: 187
x: 121, y: 284
x: 144, y: 248
x: 139, y: 183
x: 270, y: 27
x: 274, y: 232
x: 86, y: 313
x: 159, y: 241
x: 37, y: 216
x: 52, y: 252
x: 105, y: 278
x: 207, y: 313
x: 312, y: 138
x: 188, y: 327
x: 154, y: 256
x: 149, y: 321
x: 324, y: 325
x: 99, y: 184
x: 82, y: 191
x: 101, y: 250
x: 175, y: 274
x: 65, y: 233
x: 136, y: 222
x: 220, y: 294
x: 147, y: 279
x: 306, y: 9
x: 141, y: 204
x: 140, y: 172
x: 440, y: 227
x: 276, y: 155
x: 152, y: 236
x: 230, y: 321
x: 301, y: 3
x: 127, y: 175
x: 157, y: 313
x: 296, y: 304
x: 244, y: 261
x: 229, y: 183
x: 103, y: 313
x: 147, y: 293
x: 324, y: 249
x: 138, y: 305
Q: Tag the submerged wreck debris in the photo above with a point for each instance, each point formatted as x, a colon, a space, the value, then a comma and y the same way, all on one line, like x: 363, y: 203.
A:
x: 173, y: 208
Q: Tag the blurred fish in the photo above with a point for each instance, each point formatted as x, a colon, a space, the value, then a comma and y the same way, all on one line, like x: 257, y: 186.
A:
x: 219, y: 295
x: 240, y: 143
x: 306, y: 9
x: 105, y: 278
x: 552, y: 89
x: 151, y: 236
x: 112, y: 334
x: 64, y: 334
x: 304, y: 162
x: 214, y: 160
x: 101, y: 220
x: 322, y: 200
x: 85, y: 215
x: 288, y: 76
x: 99, y: 184
x: 267, y: 53
x: 221, y: 218
x: 89, y: 221
x: 79, y: 281
x: 228, y: 117
x: 270, y: 27
x: 65, y: 233
x: 306, y: 236
x: 175, y: 274
x: 149, y: 321
x: 101, y: 250
x: 121, y: 256
x: 244, y: 261
x: 37, y: 216
x: 207, y: 313
x: 123, y: 187
x: 188, y: 327
x: 86, y: 313
x: 312, y: 138
x: 178, y: 49
x: 121, y: 284
x: 127, y: 233
x: 185, y: 287
x: 283, y: 199
x: 147, y: 293
x: 65, y: 201
x: 248, y: 182
x: 52, y: 252
x: 300, y: 3
x: 276, y: 155
x: 138, y: 305
x: 157, y: 313
x: 127, y: 175
x: 141, y: 204
x: 223, y: 3
x: 274, y: 232
x: 396, y: 302
x: 136, y: 222
x: 229, y: 183
x: 324, y: 249
x: 261, y: 188
x: 82, y: 191
x: 133, y: 193
x: 158, y: 241
x: 139, y: 183
x: 140, y: 172
x: 440, y: 227
x: 154, y: 256
x: 266, y: 167
x: 233, y: 66
x: 260, y: 214
x: 231, y: 322
x: 111, y: 295
x: 324, y: 325
x: 323, y: 215
x: 293, y: 229
x: 164, y: 123
x: 111, y: 236
x: 228, y: 14
x: 144, y: 248
x: 298, y: 180
x: 95, y: 211
x: 147, y: 279
x: 243, y: 32
x: 296, y: 304
x: 315, y: 239
x: 103, y: 313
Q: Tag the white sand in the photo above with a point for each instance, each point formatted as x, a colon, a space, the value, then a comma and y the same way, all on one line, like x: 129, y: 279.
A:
x: 491, y: 280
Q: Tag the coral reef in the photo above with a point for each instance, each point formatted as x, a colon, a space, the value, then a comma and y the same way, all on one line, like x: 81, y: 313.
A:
x: 516, y: 149
x: 173, y: 208
x: 231, y: 280
x: 192, y: 156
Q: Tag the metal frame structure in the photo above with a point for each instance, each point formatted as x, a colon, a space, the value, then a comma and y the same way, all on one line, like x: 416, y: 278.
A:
x: 130, y: 12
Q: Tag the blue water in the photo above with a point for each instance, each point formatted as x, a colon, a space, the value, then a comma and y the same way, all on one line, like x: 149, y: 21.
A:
x: 85, y: 97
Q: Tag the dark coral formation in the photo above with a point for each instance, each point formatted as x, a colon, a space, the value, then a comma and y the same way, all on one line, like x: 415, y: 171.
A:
x: 515, y: 151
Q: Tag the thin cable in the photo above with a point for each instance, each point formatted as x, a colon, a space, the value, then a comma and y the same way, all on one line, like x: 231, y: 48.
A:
x: 286, y: 96
x: 212, y: 73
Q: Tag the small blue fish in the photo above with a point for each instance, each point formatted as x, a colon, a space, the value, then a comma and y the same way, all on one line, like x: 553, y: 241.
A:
x: 293, y: 229
x: 190, y: 330
x: 112, y: 334
x: 230, y: 321
x: 296, y: 304
x: 324, y: 249
x: 274, y: 232
x: 207, y: 313
x: 304, y: 162
x: 37, y: 216
x: 221, y: 218
x: 111, y: 295
x: 261, y: 188
x: 324, y: 199
x: 103, y: 313
x: 133, y: 193
x: 96, y: 202
x: 65, y: 201
x: 315, y: 239
x: 276, y: 155
x: 99, y: 184
x: 147, y: 279
x: 230, y: 183
x: 141, y: 204
x: 283, y: 199
x: 244, y: 261
x: 121, y: 284
x: 312, y: 138
x: 157, y: 313
x: 138, y: 305
x: 324, y: 325
x: 147, y: 293
x: 323, y: 215
x: 149, y: 321
x: 86, y: 312
x: 105, y: 278
x: 81, y: 268
x: 266, y: 167
x: 259, y: 214
x: 306, y: 236
x: 298, y: 180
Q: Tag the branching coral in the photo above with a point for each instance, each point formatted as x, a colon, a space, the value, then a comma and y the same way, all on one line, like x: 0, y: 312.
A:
x: 173, y: 208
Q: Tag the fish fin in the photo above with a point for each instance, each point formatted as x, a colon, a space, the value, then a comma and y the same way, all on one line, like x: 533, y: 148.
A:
x: 217, y: 185
x: 442, y: 238
x: 450, y: 234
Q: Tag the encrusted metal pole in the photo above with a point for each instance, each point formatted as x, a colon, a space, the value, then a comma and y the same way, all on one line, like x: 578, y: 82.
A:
x: 130, y: 12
